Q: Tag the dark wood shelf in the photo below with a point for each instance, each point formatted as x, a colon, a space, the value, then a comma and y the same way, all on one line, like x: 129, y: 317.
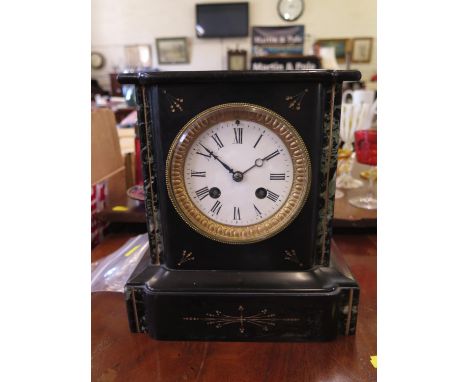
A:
x: 136, y: 215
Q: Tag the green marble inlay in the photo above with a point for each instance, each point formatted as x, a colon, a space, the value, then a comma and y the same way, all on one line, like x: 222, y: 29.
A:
x: 328, y: 165
x: 149, y: 171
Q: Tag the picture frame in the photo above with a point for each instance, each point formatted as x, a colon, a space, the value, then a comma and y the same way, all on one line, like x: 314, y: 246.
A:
x: 172, y: 50
x: 361, y: 51
x: 138, y: 56
x: 237, y: 59
x: 341, y: 45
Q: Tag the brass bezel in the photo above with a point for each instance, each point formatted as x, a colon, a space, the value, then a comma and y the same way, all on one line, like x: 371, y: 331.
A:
x: 196, y: 219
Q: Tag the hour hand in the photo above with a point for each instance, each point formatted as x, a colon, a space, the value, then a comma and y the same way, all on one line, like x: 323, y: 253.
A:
x: 258, y: 163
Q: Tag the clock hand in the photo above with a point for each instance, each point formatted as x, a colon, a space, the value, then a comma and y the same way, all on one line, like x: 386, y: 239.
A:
x: 219, y: 160
x: 259, y: 161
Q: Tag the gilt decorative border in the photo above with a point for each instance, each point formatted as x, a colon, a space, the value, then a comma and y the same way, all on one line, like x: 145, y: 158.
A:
x: 223, y: 232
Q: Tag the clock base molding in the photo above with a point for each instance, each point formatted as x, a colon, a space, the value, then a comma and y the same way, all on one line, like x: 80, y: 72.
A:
x: 312, y: 305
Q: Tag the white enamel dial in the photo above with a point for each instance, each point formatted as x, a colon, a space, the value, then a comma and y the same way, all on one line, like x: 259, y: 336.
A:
x: 238, y: 172
x: 290, y: 10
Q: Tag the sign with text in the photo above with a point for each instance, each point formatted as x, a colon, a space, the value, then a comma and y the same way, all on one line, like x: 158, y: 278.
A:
x: 277, y: 40
x: 285, y: 63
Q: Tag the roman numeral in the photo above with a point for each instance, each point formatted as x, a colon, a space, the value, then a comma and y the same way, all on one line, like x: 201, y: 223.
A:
x: 216, y: 207
x: 238, y: 134
x: 205, y: 155
x: 200, y: 174
x: 258, y: 140
x: 272, y: 196
x: 217, y: 140
x: 237, y: 213
x: 277, y: 176
x: 202, y: 193
x: 257, y: 210
x: 272, y: 155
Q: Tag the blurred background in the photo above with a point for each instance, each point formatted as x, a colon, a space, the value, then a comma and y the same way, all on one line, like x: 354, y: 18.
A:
x: 118, y: 25
x: 130, y: 36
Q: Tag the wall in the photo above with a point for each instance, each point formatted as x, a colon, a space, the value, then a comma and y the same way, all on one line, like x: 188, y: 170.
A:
x: 116, y: 23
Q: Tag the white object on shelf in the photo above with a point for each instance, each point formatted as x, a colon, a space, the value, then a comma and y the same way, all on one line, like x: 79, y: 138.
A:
x: 127, y: 140
x: 328, y: 56
x: 359, y: 96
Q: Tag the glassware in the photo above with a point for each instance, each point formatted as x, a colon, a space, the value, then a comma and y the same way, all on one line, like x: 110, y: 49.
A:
x: 339, y: 194
x: 365, y: 144
x: 345, y: 165
x: 349, y: 119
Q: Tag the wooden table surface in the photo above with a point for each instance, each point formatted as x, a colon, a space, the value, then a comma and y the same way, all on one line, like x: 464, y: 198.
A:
x: 118, y: 355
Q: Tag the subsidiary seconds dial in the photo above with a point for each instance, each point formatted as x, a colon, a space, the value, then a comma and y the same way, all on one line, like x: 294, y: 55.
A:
x: 238, y: 173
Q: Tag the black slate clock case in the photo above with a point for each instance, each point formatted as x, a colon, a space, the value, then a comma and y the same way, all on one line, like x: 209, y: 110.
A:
x: 288, y: 287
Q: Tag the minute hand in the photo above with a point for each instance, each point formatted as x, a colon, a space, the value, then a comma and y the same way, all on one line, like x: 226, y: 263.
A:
x: 219, y: 160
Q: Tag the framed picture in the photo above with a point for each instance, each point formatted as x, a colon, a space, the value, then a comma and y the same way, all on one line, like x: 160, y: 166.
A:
x: 237, y: 59
x: 362, y: 49
x: 341, y: 46
x: 172, y: 50
x: 138, y: 56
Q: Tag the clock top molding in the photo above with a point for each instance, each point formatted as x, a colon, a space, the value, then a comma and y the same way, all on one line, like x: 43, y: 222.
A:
x: 152, y: 78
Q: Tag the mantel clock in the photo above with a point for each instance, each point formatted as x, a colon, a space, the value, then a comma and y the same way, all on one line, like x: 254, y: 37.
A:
x: 239, y: 171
